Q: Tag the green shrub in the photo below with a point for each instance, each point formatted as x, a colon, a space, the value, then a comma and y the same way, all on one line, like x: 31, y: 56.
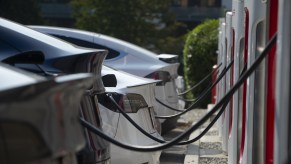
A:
x: 199, y: 56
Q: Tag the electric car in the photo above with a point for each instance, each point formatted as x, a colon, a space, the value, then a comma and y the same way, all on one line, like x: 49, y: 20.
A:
x: 39, y: 118
x: 132, y: 59
x: 60, y: 58
x: 135, y: 95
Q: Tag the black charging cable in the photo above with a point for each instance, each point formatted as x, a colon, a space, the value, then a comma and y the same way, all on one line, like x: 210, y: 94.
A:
x: 177, y: 139
x: 109, y: 95
x: 163, y: 141
x: 201, y: 81
x: 164, y: 144
x: 168, y: 107
x: 201, y: 97
x: 192, y: 100
x: 214, y: 119
x: 157, y: 139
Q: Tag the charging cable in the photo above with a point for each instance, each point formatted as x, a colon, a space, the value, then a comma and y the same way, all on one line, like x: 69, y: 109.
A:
x: 179, y: 138
x: 200, y: 82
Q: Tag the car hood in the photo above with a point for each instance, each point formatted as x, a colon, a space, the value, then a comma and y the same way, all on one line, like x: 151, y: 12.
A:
x: 126, y: 80
x: 128, y: 83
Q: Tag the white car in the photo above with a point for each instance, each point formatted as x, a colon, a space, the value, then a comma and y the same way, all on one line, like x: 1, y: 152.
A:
x: 136, y: 97
x: 132, y: 59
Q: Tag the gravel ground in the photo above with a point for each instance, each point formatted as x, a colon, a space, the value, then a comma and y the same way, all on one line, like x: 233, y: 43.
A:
x: 204, y: 160
x: 212, y: 150
x: 212, y: 133
x: 211, y: 145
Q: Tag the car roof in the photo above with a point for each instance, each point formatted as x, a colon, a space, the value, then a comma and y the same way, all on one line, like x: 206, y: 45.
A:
x: 102, y: 39
x: 22, y: 39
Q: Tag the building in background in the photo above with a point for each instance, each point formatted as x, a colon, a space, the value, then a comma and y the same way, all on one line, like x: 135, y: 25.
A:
x: 193, y: 12
x: 190, y: 12
x: 57, y: 12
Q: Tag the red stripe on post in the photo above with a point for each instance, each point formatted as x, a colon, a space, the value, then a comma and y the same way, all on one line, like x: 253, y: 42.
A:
x: 271, y: 70
x: 244, y: 104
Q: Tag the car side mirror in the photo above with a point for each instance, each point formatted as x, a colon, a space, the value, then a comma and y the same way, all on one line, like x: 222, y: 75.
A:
x: 29, y: 57
x: 109, y: 80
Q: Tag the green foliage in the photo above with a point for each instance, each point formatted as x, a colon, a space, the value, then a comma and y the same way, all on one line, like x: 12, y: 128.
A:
x: 25, y: 12
x: 200, y: 55
x: 143, y: 22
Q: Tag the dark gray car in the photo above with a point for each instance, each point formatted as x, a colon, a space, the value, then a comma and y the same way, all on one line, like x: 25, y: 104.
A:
x: 39, y: 117
x: 61, y: 58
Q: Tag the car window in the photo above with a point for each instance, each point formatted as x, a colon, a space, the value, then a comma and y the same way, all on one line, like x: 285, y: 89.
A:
x: 111, y: 53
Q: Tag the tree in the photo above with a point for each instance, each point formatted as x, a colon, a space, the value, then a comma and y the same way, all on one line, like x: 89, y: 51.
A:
x: 200, y: 55
x: 142, y: 22
x: 25, y: 12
